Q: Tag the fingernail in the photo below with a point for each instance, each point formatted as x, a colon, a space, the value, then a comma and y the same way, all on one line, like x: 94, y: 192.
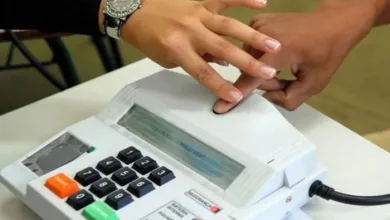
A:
x: 272, y: 44
x: 268, y: 71
x: 221, y: 62
x: 261, y: 2
x: 222, y: 107
x: 236, y: 96
x: 225, y: 63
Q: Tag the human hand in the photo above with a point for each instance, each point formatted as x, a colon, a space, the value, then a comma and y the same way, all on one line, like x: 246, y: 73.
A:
x: 314, y: 46
x: 188, y: 34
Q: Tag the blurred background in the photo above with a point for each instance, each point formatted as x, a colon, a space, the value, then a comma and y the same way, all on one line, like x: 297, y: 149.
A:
x: 357, y: 97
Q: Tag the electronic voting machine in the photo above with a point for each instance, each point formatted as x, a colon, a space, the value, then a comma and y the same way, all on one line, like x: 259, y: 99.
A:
x: 158, y: 152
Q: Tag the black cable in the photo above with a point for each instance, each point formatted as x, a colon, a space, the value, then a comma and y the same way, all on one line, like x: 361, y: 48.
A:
x: 18, y: 43
x: 328, y: 193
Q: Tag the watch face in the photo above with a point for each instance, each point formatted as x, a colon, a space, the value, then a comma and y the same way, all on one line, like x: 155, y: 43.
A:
x: 121, y: 5
x: 121, y: 8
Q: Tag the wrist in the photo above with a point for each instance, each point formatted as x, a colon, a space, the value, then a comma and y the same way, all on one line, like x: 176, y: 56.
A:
x: 370, y: 10
x: 113, y: 16
x: 352, y: 20
x: 130, y: 26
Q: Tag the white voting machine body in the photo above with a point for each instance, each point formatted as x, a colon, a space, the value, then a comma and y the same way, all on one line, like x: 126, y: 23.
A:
x: 158, y: 152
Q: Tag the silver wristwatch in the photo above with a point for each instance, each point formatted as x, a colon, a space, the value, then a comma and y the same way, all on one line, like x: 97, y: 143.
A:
x: 116, y: 12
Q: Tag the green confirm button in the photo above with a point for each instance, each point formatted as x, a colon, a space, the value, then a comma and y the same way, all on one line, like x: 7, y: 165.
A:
x: 99, y: 211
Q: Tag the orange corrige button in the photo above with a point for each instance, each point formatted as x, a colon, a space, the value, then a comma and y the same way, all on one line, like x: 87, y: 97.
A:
x: 62, y: 185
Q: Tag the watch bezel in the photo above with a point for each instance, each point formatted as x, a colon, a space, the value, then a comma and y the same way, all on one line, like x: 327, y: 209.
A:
x: 121, y: 14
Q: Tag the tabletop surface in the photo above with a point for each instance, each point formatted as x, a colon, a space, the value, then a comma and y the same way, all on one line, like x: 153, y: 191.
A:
x: 355, y: 165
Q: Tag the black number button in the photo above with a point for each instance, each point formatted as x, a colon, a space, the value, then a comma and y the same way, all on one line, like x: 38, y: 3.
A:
x: 145, y: 165
x: 124, y: 176
x: 87, y: 176
x: 109, y: 165
x: 80, y: 199
x: 102, y: 187
x: 129, y: 155
x: 140, y: 187
x: 119, y: 199
x: 161, y: 176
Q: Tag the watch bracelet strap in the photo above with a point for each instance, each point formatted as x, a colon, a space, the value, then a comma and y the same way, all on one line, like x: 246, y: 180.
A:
x: 112, y: 26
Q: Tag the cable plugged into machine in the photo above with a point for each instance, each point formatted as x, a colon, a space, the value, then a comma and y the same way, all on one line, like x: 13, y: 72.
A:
x: 328, y: 193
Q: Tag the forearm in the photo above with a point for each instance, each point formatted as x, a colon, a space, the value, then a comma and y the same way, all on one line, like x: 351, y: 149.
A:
x: 72, y: 16
x: 377, y: 12
x: 384, y: 18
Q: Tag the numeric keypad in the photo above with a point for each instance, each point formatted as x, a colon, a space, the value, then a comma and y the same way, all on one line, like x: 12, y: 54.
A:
x: 116, y: 181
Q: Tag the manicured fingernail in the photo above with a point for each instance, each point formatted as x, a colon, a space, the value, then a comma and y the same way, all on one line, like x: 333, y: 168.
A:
x: 272, y: 44
x: 222, y: 107
x: 236, y: 96
x: 221, y: 62
x: 261, y: 2
x: 268, y: 71
x: 225, y: 63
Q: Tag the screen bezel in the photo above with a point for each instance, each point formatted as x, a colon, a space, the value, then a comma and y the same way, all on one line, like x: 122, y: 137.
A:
x: 182, y: 137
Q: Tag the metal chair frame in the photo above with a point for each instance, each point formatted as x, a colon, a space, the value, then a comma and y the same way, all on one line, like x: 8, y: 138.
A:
x: 107, y: 49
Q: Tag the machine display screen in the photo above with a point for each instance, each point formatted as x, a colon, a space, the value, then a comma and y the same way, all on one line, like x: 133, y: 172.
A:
x: 57, y: 153
x: 203, y: 159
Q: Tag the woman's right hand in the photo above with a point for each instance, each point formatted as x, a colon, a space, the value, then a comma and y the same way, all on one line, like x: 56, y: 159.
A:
x: 188, y: 34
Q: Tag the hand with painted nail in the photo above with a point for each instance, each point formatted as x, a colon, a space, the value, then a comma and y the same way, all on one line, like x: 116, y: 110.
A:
x: 189, y: 34
x: 314, y: 46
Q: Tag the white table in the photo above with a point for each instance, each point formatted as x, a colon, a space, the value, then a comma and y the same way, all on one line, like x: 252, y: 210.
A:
x: 355, y: 165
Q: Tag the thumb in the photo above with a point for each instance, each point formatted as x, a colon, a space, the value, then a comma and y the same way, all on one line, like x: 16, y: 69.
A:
x: 291, y: 97
x: 218, y: 6
x: 278, y: 61
x: 309, y: 82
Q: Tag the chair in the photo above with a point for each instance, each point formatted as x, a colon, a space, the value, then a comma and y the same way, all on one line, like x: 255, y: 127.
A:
x: 107, y: 49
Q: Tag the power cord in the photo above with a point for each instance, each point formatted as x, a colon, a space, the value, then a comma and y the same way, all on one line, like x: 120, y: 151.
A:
x: 328, y: 193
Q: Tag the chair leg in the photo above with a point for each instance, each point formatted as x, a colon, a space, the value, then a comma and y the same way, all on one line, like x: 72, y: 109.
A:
x: 104, y: 54
x: 64, y: 61
x: 34, y: 62
x: 109, y: 52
